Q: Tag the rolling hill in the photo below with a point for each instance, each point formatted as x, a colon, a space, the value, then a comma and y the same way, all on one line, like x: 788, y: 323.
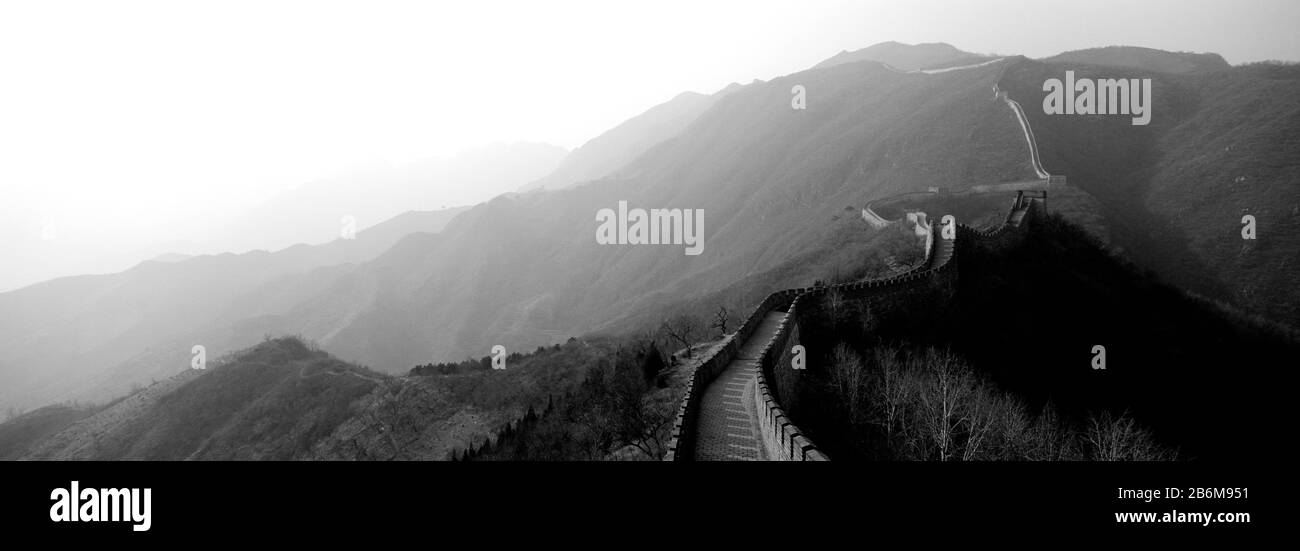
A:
x: 781, y: 190
x: 525, y: 270
x: 1220, y: 145
x: 1143, y: 58
x: 1027, y: 315
x: 283, y: 399
x: 907, y: 57
x: 271, y: 402
x: 93, y: 337
x: 622, y: 144
x: 312, y: 213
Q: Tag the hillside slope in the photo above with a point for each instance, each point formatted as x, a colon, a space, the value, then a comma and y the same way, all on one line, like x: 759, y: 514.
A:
x: 19, y: 434
x: 907, y: 57
x: 1143, y: 58
x: 93, y: 337
x: 283, y: 399
x: 620, y: 145
x: 1027, y: 315
x: 1219, y: 146
x: 527, y: 270
x: 271, y: 402
x: 379, y: 191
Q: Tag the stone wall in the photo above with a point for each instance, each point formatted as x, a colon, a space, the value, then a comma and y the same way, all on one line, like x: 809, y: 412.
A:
x: 777, y: 377
x: 781, y: 436
x: 683, y: 435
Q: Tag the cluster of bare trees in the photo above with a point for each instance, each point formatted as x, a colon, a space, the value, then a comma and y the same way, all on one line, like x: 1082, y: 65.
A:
x: 394, y: 422
x: 931, y: 406
x: 635, y: 418
x: 1119, y: 438
x: 617, y: 406
x: 686, y: 329
x: 618, y: 411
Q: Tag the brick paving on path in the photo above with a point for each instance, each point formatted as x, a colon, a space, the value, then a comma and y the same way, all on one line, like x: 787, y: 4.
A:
x: 728, y: 424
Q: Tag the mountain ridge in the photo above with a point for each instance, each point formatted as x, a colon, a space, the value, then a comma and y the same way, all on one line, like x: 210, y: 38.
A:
x: 907, y: 57
x: 1138, y: 57
x: 618, y: 146
x: 524, y: 270
x: 512, y: 226
x: 53, y: 327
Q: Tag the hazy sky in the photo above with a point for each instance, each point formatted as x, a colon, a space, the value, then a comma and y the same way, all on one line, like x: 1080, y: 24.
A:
x: 130, y: 124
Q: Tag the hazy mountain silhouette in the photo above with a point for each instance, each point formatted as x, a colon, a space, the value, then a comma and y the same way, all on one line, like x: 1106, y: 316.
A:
x: 1143, y: 58
x: 907, y: 57
x: 168, y: 258
x: 1220, y: 145
x: 313, y: 213
x: 283, y: 399
x: 778, y: 187
x: 273, y: 401
x: 95, y: 336
x: 620, y: 145
x: 526, y: 270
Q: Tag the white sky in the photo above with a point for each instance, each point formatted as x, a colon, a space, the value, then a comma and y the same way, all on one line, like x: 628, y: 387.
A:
x: 130, y: 124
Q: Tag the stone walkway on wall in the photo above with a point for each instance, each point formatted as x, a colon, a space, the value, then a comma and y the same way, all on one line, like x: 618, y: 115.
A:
x: 728, y: 424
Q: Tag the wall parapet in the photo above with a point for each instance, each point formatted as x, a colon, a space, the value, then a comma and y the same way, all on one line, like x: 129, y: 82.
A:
x: 683, y: 432
x: 781, y: 435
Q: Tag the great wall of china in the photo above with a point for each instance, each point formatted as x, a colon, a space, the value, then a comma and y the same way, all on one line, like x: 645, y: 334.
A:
x: 1044, y: 182
x: 731, y: 409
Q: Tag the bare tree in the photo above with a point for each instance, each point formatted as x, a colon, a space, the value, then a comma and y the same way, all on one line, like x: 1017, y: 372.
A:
x: 1112, y: 438
x: 943, y: 394
x: 849, y: 378
x: 867, y: 320
x: 400, y: 414
x: 720, y: 320
x: 641, y: 424
x: 893, y: 391
x: 683, y: 328
x: 1050, y: 440
x: 648, y: 339
x: 979, y: 418
x: 1016, y: 430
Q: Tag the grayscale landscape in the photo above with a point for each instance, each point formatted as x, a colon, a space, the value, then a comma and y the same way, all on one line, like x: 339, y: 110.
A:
x: 902, y: 254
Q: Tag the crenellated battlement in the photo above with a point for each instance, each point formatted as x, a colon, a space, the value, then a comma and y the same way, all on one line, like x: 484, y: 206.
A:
x: 780, y: 435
